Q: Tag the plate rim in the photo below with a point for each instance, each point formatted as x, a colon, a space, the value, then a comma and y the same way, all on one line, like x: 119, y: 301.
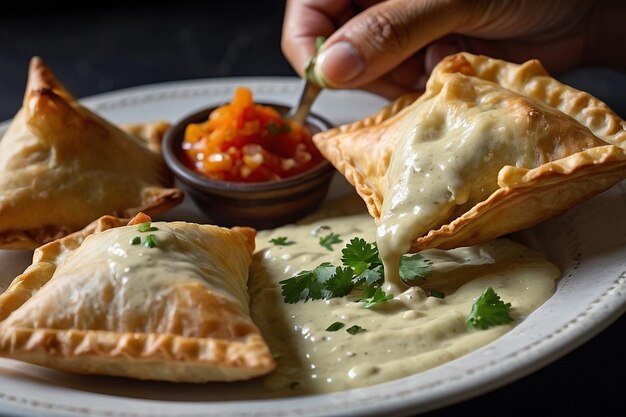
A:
x: 572, y: 334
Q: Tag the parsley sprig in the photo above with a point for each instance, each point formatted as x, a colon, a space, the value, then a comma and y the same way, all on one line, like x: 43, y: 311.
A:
x: 362, y: 269
x: 282, y: 241
x: 329, y: 240
x: 308, y: 285
x: 146, y: 227
x: 489, y: 310
x: 335, y: 326
x: 361, y: 256
x: 374, y: 295
x: 355, y: 330
x: 151, y: 240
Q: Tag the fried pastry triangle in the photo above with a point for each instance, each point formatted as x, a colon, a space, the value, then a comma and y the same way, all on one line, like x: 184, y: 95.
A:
x: 62, y: 167
x: 489, y: 148
x: 103, y: 301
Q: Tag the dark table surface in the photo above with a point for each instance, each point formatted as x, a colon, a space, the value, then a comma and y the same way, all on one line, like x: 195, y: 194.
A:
x: 116, y: 45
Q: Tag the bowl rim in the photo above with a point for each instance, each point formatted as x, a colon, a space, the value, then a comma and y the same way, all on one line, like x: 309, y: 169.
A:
x: 173, y: 138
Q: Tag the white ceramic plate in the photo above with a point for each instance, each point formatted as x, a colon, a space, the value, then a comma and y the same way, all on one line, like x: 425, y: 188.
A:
x: 590, y: 251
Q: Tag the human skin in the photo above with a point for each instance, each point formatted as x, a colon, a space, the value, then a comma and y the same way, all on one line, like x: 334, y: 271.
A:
x: 390, y: 47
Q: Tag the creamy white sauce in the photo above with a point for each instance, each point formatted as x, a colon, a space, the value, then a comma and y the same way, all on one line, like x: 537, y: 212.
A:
x: 115, y: 284
x: 448, y: 157
x: 409, y: 334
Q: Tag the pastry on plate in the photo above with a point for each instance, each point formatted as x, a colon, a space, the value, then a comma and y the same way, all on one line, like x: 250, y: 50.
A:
x: 62, y: 167
x: 149, y: 300
x: 489, y: 148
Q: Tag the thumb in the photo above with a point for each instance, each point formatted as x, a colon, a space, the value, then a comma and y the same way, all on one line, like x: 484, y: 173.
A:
x: 380, y: 38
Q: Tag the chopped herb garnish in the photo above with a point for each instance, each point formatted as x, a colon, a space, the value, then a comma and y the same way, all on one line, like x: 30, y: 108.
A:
x: 335, y: 326
x: 488, y: 310
x: 151, y: 241
x: 437, y: 293
x: 360, y: 255
x: 362, y: 269
x: 135, y: 241
x: 307, y: 285
x: 329, y: 240
x: 276, y: 356
x: 373, y: 296
x: 282, y: 241
x: 146, y: 227
x: 340, y: 283
x: 294, y: 385
x: 414, y: 267
x: 274, y: 129
x: 355, y: 329
x: 372, y: 276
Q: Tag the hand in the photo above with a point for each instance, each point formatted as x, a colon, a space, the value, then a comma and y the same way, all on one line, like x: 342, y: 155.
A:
x: 390, y: 47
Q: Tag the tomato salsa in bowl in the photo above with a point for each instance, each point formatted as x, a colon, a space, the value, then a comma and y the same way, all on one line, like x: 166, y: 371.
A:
x: 245, y: 164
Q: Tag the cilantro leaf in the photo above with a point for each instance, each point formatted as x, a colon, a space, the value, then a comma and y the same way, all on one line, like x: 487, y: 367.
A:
x: 372, y: 276
x: 414, y: 267
x: 151, y: 241
x: 307, y: 285
x: 375, y: 295
x: 488, y: 310
x: 362, y: 268
x: 360, y: 255
x: 329, y: 240
x: 355, y: 329
x: 146, y: 227
x: 340, y: 283
x: 282, y: 241
x: 335, y: 326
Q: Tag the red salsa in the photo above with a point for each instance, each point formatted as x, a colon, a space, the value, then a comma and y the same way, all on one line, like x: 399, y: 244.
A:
x: 247, y: 142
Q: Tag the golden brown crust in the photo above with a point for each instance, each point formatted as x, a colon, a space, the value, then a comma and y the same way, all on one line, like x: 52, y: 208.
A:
x: 549, y: 190
x: 151, y: 356
x: 152, y: 133
x: 46, y: 259
x: 532, y: 80
x: 333, y: 142
x: 571, y: 163
x: 190, y: 333
x: 62, y: 166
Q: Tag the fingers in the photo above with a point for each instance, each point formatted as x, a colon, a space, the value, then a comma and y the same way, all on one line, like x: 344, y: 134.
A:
x: 372, y: 43
x: 412, y: 74
x: 304, y: 21
x: 383, y: 36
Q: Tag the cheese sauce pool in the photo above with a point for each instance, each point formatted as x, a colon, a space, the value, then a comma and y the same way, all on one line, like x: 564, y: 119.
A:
x: 409, y: 334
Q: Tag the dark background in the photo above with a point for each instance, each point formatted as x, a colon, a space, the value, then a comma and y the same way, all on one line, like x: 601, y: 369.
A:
x: 114, y: 45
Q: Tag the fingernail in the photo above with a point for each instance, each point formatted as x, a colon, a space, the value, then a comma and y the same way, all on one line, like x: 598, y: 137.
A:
x: 339, y: 63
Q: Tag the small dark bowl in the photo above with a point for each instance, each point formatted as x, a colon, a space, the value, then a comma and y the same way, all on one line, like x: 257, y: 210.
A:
x: 261, y: 205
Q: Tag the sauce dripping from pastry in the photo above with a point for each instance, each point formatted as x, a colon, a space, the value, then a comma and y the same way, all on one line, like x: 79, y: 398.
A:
x: 449, y: 154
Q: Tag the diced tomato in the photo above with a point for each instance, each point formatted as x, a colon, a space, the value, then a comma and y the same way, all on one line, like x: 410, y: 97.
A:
x: 247, y: 142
